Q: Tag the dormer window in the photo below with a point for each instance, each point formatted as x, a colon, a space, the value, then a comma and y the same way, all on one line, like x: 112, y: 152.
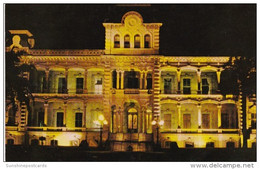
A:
x: 127, y: 41
x: 137, y: 41
x: 147, y: 41
x: 117, y: 41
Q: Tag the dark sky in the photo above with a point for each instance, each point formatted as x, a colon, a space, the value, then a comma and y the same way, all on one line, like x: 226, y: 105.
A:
x: 187, y: 29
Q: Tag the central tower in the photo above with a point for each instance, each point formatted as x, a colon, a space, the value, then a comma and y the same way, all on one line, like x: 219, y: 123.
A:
x: 132, y: 36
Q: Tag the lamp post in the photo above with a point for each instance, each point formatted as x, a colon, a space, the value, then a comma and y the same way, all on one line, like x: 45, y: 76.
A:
x: 101, y: 121
x: 158, y: 124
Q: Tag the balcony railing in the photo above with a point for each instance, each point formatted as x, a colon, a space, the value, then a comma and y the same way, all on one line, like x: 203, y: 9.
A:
x: 132, y: 91
x: 190, y: 92
x: 200, y: 131
x: 66, y: 91
x: 47, y: 128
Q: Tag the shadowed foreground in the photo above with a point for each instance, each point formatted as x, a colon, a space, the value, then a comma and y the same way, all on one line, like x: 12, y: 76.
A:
x: 38, y: 153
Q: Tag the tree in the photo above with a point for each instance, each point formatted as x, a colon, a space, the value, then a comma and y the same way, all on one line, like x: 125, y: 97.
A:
x: 18, y: 89
x: 239, y: 78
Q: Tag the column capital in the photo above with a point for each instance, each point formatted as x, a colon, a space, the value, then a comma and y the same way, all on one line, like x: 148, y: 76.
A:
x: 65, y: 103
x: 219, y: 106
x: 199, y: 105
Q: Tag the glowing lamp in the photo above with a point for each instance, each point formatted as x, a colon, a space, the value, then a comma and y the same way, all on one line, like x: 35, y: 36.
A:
x: 161, y: 122
x: 105, y: 122
x: 101, y: 117
x: 96, y: 122
x: 153, y: 122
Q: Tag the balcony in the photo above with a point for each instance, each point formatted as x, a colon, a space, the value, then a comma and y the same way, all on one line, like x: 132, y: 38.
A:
x: 236, y: 131
x: 132, y: 91
x: 68, y: 129
x: 190, y: 92
x: 213, y: 94
x: 66, y: 92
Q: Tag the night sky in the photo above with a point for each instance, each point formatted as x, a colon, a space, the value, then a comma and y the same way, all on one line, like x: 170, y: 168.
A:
x: 187, y: 29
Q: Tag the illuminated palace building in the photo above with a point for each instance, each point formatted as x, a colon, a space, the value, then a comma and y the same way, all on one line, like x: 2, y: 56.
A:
x: 127, y: 94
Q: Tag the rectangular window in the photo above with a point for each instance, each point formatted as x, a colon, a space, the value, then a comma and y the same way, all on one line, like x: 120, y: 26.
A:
x: 60, y: 119
x: 205, y: 86
x: 205, y: 121
x: 78, y: 120
x: 186, y: 86
x: 168, y: 86
x: 225, y: 120
x: 149, y: 83
x: 186, y: 121
x: 40, y: 119
x: 98, y: 86
x: 79, y: 85
x: 62, y: 87
x: 167, y: 121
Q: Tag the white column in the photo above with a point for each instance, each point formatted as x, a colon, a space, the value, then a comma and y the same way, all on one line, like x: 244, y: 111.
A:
x: 199, y: 81
x: 47, y: 80
x: 121, y: 121
x: 141, y: 80
x: 65, y: 113
x: 179, y: 81
x: 218, y: 75
x: 118, y: 126
x: 219, y: 115
x: 84, y: 114
x: 199, y: 115
x: 117, y: 79
x: 66, y: 80
x: 122, y: 79
x: 143, y: 120
x: 145, y: 80
x: 179, y: 115
x: 46, y: 105
x: 86, y: 81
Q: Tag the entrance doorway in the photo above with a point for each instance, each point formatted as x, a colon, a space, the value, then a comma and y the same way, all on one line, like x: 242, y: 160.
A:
x: 132, y: 124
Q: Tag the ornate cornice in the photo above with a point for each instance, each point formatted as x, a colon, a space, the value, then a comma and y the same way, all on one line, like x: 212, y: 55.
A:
x: 65, y: 53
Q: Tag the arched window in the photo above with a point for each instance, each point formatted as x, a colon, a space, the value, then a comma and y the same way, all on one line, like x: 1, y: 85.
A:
x: 147, y: 40
x: 132, y: 120
x: 137, y: 41
x: 117, y: 41
x: 127, y: 41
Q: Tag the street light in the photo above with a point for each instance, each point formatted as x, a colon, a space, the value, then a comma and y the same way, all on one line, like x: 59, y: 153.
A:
x: 158, y: 124
x: 101, y: 121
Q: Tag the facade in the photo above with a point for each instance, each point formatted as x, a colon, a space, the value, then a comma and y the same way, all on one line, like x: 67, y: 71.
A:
x: 130, y: 92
